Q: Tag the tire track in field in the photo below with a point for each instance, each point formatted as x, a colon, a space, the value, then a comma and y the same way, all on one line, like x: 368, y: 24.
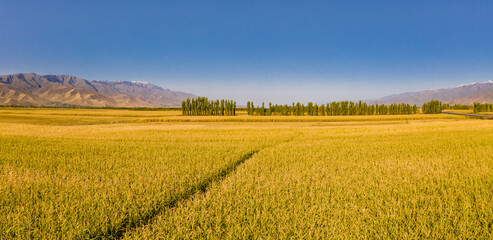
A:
x: 128, y: 224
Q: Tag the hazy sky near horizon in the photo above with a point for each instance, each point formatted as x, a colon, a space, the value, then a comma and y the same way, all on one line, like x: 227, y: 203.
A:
x: 272, y: 51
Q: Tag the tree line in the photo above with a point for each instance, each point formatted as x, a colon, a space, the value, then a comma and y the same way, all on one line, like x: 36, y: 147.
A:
x: 202, y: 106
x: 341, y: 108
x: 483, y: 107
x: 457, y: 106
x: 432, y: 107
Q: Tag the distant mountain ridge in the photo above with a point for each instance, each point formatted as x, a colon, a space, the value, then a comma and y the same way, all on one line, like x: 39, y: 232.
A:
x: 30, y: 89
x: 463, y: 94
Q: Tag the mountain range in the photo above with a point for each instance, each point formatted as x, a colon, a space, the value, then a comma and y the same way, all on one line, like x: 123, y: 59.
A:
x: 30, y: 89
x: 463, y: 94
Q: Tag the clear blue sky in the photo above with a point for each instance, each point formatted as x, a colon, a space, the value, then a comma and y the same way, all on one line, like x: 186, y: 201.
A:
x: 279, y: 51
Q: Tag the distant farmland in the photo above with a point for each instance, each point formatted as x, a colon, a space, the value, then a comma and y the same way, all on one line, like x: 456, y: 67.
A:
x: 99, y: 173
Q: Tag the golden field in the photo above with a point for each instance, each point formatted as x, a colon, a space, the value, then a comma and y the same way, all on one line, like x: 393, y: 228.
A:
x: 96, y: 173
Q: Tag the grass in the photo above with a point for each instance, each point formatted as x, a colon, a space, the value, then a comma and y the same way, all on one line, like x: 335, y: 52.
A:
x: 79, y: 173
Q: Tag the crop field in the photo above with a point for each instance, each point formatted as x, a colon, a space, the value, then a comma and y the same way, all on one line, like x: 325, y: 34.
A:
x: 97, y: 173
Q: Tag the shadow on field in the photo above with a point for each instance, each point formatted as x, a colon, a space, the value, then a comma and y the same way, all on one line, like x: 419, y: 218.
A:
x: 118, y: 230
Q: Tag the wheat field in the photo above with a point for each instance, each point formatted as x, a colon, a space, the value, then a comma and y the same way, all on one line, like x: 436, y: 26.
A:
x: 85, y: 173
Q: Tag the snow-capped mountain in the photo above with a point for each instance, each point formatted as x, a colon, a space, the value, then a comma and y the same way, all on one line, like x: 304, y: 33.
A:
x: 63, y: 90
x: 481, y: 92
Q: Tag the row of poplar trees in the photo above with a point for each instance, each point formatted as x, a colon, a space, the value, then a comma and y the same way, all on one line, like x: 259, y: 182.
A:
x: 201, y: 106
x: 483, y: 107
x: 341, y: 108
x: 433, y: 107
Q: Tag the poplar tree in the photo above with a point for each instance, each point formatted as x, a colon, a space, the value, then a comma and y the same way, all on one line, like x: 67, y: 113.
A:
x: 321, y: 110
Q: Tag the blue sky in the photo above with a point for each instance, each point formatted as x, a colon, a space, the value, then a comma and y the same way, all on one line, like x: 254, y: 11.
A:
x: 277, y: 51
